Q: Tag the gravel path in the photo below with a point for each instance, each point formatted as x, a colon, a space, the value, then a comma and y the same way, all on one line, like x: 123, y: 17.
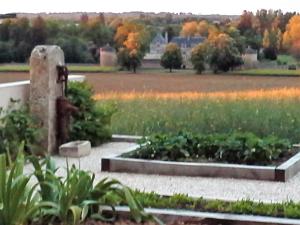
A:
x: 212, y: 188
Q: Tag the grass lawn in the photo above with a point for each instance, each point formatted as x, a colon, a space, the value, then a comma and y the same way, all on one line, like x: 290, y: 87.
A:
x: 268, y: 72
x: 72, y: 68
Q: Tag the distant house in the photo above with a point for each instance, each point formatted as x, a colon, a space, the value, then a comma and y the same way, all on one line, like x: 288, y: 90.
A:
x: 159, y: 43
x: 250, y: 58
x: 108, y: 56
x: 186, y: 45
x: 157, y: 47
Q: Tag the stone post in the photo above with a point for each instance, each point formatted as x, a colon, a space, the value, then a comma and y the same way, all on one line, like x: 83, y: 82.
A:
x: 44, y: 90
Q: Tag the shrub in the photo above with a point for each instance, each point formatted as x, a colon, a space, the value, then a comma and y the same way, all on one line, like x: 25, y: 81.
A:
x: 18, y: 128
x: 230, y: 148
x: 93, y: 120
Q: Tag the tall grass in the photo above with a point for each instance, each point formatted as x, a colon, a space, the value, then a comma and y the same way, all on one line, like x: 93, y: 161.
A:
x: 262, y: 116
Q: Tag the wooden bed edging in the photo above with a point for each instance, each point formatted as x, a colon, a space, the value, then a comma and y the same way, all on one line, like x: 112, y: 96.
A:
x: 227, y: 218
x: 281, y: 173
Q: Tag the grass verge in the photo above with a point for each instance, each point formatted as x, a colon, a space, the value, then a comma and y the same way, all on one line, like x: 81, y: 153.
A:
x: 72, y: 68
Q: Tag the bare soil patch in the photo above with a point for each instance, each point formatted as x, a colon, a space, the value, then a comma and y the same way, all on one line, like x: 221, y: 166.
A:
x: 164, y: 82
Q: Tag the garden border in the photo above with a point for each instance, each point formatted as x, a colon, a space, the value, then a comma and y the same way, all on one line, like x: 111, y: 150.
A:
x: 168, y: 215
x: 281, y: 173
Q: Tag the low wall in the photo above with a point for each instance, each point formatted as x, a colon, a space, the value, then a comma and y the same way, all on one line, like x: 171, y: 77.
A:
x: 20, y: 90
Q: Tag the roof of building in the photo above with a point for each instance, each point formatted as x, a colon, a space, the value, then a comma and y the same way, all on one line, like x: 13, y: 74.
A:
x: 107, y: 48
x: 188, y: 41
x: 159, y: 39
x: 250, y: 50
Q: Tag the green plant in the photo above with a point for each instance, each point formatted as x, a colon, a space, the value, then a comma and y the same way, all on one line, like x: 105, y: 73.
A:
x: 178, y: 201
x: 231, y: 148
x: 18, y: 126
x: 19, y: 202
x: 92, y: 122
x: 75, y: 197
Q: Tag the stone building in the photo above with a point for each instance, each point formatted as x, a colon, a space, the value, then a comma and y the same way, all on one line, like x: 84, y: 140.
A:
x: 108, y: 56
x: 186, y: 45
x: 250, y: 58
x: 159, y: 43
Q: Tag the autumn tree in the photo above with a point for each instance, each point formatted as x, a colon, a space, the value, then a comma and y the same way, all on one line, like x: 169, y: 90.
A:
x: 172, y: 57
x: 223, y: 53
x: 127, y: 30
x: 189, y: 29
x: 271, y: 43
x: 202, y: 28
x: 245, y: 22
x: 291, y: 37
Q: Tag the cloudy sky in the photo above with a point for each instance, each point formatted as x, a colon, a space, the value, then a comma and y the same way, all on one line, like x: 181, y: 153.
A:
x: 194, y: 6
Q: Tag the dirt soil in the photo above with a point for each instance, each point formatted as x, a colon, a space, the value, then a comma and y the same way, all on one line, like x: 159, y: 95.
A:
x: 164, y: 82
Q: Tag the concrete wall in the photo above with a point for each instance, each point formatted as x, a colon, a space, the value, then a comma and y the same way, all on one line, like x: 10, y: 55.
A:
x: 20, y: 90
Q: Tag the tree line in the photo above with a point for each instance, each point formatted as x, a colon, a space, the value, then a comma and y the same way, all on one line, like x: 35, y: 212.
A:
x: 267, y: 31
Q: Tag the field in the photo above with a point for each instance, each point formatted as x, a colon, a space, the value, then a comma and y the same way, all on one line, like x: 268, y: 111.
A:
x: 162, y: 102
x: 178, y: 82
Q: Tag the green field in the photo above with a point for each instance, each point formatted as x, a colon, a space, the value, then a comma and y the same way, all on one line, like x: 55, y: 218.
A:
x: 263, y: 117
x: 72, y: 68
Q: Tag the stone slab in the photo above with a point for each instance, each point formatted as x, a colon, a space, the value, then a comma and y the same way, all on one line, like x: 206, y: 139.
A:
x: 75, y: 149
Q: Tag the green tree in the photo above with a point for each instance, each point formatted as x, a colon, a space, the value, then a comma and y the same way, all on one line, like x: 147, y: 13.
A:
x: 199, y: 55
x: 38, y: 31
x: 223, y: 53
x: 172, y: 57
x: 129, y: 59
x: 5, y: 52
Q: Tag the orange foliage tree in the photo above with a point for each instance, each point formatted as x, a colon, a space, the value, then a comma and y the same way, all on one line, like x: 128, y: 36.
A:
x: 291, y: 37
x: 189, y: 29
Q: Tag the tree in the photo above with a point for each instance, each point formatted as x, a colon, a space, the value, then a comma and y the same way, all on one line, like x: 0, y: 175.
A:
x: 5, y: 52
x: 125, y: 32
x: 189, y: 29
x: 271, y: 42
x: 38, y: 31
x: 172, y: 31
x: 223, y: 53
x: 172, y: 57
x: 203, y: 28
x: 134, y: 59
x: 199, y: 57
x: 245, y: 22
x: 291, y: 37
x: 129, y: 59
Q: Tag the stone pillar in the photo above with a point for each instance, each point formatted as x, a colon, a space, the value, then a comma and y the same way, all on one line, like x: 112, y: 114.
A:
x: 44, y: 90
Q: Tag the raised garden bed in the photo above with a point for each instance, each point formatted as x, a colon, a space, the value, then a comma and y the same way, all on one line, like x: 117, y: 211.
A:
x: 282, y: 171
x: 208, y: 218
x: 183, y: 208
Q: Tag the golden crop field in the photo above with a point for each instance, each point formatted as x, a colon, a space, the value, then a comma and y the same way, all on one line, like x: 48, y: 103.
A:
x: 281, y: 93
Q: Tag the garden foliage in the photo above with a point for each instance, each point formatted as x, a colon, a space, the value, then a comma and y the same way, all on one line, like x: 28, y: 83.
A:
x: 92, y: 122
x: 18, y: 131
x: 241, y: 148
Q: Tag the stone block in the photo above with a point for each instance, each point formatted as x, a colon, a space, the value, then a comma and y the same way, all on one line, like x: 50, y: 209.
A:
x: 75, y: 149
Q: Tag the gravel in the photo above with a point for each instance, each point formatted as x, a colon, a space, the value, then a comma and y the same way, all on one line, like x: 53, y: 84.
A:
x: 210, y: 188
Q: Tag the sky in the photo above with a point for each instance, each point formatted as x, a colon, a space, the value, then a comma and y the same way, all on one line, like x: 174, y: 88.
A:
x: 228, y: 7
